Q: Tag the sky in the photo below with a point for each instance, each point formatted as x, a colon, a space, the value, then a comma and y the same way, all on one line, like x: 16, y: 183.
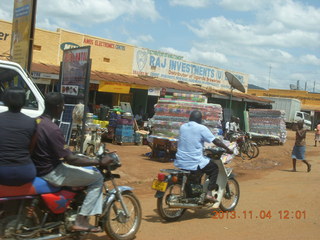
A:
x: 276, y: 42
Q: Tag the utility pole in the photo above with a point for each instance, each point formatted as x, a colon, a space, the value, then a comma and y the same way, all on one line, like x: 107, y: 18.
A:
x: 305, y: 86
x: 314, y: 86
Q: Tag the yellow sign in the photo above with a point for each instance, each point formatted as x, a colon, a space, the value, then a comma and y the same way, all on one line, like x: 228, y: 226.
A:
x: 21, y: 31
x: 139, y: 86
x: 114, y: 87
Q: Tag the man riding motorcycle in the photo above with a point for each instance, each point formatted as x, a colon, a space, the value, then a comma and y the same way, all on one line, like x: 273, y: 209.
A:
x: 49, y: 156
x: 189, y: 154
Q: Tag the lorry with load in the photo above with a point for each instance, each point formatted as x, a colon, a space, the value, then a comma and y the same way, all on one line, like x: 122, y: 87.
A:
x: 12, y: 75
x: 292, y: 109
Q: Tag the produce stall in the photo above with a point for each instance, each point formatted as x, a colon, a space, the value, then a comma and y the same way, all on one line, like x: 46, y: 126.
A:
x: 267, y: 126
x: 171, y: 112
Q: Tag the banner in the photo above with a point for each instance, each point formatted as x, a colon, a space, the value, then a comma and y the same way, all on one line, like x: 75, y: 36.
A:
x: 113, y: 87
x: 75, y: 73
x: 22, y: 32
x: 154, y: 91
x: 157, y: 64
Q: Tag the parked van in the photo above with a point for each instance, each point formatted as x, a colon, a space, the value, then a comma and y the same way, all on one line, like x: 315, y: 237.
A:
x: 292, y: 108
x: 12, y: 74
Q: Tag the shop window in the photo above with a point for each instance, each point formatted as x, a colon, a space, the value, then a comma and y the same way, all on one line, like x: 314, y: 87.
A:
x: 37, y: 47
x: 106, y: 59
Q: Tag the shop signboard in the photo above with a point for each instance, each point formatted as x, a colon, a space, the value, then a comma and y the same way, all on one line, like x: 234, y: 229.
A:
x: 154, y: 91
x: 75, y: 73
x: 74, y: 77
x: 68, y: 45
x: 147, y: 62
x: 114, y: 87
x: 22, y: 32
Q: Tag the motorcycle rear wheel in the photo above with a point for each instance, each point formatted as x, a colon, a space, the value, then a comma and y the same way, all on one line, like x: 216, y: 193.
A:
x: 231, y: 196
x: 256, y: 150
x: 117, y: 225
x: 167, y: 213
x: 247, y: 150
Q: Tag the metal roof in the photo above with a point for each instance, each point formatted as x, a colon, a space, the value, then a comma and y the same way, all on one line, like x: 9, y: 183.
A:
x: 154, y: 82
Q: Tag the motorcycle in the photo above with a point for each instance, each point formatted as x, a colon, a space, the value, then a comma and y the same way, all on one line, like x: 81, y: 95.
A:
x: 247, y: 147
x: 179, y: 190
x: 40, y: 211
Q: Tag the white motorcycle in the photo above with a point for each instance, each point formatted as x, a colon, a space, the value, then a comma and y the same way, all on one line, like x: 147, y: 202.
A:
x: 178, y: 190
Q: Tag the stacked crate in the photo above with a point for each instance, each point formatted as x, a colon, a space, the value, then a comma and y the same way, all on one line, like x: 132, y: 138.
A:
x: 171, y: 112
x: 124, y: 131
x: 268, y: 122
x: 113, y: 119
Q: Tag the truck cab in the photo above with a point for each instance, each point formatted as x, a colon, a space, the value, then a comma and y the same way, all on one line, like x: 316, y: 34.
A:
x: 12, y: 74
x: 305, y: 117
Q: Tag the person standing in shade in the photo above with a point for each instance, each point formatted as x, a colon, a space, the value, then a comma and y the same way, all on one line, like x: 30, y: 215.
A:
x: 299, y: 148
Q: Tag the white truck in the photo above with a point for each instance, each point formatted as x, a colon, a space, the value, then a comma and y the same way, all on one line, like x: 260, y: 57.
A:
x: 292, y: 108
x: 11, y: 74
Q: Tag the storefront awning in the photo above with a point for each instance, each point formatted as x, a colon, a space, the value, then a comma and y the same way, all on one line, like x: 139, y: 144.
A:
x: 238, y: 96
x: 308, y: 107
x: 45, y: 68
x: 143, y: 81
x: 146, y: 82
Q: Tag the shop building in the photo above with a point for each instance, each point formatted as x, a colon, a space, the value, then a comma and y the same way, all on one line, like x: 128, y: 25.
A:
x: 122, y: 72
x: 111, y: 80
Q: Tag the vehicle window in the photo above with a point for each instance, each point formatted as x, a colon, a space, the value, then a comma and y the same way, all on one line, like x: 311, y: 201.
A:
x: 299, y: 114
x: 307, y: 117
x: 10, y: 78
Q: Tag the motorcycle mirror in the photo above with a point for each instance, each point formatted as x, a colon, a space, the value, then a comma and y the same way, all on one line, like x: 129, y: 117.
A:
x: 101, y: 149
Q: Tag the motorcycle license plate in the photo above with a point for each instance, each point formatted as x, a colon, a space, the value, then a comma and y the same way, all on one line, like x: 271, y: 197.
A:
x: 159, y: 186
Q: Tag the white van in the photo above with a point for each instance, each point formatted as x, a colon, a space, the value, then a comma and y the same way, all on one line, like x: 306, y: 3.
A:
x: 305, y: 117
x: 12, y: 74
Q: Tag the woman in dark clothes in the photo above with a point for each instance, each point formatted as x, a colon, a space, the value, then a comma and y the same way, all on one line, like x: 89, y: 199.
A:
x: 16, y: 132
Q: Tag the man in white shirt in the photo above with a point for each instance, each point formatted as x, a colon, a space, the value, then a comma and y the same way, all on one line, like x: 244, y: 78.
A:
x: 190, y: 156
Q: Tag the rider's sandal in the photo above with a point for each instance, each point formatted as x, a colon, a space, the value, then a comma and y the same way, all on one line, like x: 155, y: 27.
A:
x: 92, y: 229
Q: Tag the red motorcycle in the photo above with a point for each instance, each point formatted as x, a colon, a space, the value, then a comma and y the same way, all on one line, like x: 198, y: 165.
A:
x: 247, y: 148
x: 40, y: 211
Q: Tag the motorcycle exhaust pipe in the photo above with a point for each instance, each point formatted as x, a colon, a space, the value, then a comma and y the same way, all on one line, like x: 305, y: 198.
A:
x: 48, y: 237
x: 184, y: 205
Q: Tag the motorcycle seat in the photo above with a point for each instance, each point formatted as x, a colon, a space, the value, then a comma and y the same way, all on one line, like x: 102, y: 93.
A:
x: 36, y: 187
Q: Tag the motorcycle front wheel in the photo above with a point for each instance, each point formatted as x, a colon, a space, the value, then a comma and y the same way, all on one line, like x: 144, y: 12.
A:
x: 231, y: 196
x: 173, y: 192
x: 118, y: 225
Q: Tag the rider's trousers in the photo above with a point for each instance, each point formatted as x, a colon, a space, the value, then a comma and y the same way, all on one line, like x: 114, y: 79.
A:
x: 72, y: 176
x: 211, y: 170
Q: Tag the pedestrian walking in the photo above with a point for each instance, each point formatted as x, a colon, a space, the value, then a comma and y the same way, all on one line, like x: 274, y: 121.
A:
x: 317, y: 134
x: 299, y: 148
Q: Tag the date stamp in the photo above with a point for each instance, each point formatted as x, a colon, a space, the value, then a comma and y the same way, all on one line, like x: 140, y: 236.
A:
x: 261, y: 214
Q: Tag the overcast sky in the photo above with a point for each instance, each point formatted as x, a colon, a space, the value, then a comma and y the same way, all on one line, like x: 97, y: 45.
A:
x: 276, y: 42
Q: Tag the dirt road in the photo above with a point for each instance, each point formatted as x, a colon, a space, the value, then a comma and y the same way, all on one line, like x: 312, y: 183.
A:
x: 275, y: 203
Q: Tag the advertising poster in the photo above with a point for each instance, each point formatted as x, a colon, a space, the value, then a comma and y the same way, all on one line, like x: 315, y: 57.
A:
x: 152, y: 63
x: 75, y: 71
x: 22, y: 32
